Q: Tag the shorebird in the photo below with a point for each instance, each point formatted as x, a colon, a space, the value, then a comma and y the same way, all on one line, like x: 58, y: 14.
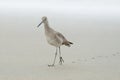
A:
x: 54, y: 38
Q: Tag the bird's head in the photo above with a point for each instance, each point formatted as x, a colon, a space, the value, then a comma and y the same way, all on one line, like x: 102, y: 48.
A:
x: 43, y: 20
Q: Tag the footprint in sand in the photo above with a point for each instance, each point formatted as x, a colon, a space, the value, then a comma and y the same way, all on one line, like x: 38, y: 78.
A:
x: 93, y: 58
x: 73, y: 62
x: 113, y: 54
x: 80, y: 60
x: 118, y: 53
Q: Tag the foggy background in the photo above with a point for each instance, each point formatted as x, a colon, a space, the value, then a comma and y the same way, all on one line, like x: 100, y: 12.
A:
x: 89, y: 24
x: 92, y: 25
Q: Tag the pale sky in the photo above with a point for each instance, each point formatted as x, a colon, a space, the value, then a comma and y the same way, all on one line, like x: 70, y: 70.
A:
x: 61, y: 4
x: 91, y: 7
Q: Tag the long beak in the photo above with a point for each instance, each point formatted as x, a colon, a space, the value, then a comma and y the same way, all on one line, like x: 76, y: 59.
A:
x: 40, y: 24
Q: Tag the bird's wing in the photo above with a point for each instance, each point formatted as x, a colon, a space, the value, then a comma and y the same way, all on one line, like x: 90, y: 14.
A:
x: 64, y: 40
x: 60, y: 36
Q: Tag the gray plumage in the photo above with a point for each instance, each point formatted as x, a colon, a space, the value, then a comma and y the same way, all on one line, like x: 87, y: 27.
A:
x: 54, y: 38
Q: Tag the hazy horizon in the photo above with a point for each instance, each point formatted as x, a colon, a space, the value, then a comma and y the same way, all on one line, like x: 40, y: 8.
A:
x: 89, y: 24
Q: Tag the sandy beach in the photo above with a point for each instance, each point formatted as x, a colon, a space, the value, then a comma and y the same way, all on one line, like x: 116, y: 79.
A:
x: 25, y: 53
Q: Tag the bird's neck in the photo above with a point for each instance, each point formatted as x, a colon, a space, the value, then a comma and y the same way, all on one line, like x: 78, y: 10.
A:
x: 46, y: 26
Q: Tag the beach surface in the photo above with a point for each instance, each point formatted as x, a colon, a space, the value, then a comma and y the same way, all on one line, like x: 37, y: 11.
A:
x: 25, y: 53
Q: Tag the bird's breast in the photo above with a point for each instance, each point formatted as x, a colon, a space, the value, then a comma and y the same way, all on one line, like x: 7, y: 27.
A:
x: 53, y: 40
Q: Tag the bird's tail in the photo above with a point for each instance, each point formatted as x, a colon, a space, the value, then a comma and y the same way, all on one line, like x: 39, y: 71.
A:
x: 67, y: 43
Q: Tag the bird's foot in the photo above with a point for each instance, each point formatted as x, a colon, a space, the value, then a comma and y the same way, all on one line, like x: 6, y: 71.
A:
x: 51, y: 65
x: 61, y: 61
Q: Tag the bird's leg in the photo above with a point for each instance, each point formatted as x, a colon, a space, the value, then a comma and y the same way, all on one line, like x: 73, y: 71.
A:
x: 54, y: 59
x: 61, y: 59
